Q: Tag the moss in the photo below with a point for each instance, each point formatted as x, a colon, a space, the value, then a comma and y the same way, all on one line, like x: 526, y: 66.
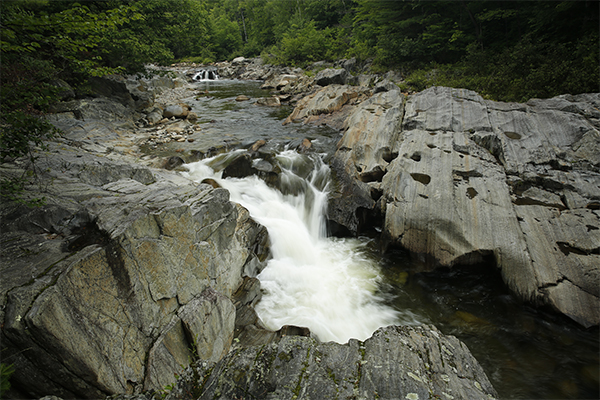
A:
x: 332, y: 376
x: 285, y: 357
x: 298, y: 388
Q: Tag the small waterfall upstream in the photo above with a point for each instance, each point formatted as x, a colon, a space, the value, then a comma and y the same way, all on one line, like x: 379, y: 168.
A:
x: 329, y: 285
x: 207, y: 74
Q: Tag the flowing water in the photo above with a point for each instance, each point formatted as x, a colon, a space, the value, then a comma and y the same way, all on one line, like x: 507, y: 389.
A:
x: 344, y: 288
x: 329, y: 285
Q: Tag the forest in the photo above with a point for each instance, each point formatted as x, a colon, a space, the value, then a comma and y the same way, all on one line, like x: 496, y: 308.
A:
x: 504, y: 50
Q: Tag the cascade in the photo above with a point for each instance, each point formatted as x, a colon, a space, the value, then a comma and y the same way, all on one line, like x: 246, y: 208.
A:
x: 207, y: 74
x: 329, y: 285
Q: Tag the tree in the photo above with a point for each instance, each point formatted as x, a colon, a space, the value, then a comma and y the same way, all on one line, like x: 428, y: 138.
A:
x: 40, y: 43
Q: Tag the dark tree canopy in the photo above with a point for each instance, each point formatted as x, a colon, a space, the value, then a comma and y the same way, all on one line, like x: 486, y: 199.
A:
x: 506, y: 50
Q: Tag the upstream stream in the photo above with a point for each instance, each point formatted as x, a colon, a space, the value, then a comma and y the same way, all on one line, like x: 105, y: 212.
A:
x: 344, y: 288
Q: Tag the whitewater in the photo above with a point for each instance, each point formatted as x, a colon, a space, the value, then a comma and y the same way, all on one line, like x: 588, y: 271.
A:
x: 329, y: 285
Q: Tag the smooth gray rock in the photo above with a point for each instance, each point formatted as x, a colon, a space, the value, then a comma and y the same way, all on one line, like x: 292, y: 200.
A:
x: 465, y: 179
x: 362, y: 158
x: 395, y: 363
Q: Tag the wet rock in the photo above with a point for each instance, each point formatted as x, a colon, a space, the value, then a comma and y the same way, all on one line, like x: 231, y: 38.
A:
x: 239, y: 167
x: 192, y: 117
x: 176, y: 110
x: 242, y: 97
x: 211, y: 182
x: 257, y: 145
x: 272, y: 101
x: 173, y: 162
x: 305, y: 146
x: 395, y: 363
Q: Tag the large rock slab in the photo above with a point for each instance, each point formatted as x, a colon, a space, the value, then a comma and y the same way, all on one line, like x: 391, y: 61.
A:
x: 395, y: 363
x: 121, y: 279
x: 469, y: 179
x: 325, y: 101
x: 362, y: 158
x: 331, y: 76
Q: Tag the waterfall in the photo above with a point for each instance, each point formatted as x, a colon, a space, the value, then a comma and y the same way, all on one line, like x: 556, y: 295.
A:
x: 329, y: 285
x: 208, y: 74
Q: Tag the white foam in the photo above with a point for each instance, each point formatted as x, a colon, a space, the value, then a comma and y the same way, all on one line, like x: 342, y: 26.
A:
x: 326, y: 284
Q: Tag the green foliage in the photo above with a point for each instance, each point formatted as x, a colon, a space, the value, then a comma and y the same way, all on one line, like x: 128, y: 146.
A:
x: 6, y: 370
x: 505, y: 50
x: 226, y: 39
x: 158, y: 31
x: 41, y: 43
x: 526, y: 70
x: 302, y: 43
x: 508, y: 51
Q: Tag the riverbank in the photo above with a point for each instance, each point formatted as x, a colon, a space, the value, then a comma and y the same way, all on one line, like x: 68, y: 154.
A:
x: 130, y: 272
x: 112, y: 198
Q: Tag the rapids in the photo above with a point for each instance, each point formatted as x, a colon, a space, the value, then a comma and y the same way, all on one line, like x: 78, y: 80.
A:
x: 329, y: 285
x: 351, y: 288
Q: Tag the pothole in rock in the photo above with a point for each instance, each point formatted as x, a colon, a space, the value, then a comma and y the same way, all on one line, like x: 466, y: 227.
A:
x: 471, y: 192
x: 513, y: 135
x: 423, y: 178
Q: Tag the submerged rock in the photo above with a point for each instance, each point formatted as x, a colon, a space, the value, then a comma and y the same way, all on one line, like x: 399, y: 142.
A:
x: 395, y: 363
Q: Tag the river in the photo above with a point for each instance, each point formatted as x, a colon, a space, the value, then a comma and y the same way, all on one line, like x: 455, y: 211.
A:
x: 343, y: 288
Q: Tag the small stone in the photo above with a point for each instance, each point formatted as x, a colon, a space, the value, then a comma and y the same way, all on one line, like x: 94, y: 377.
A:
x: 269, y: 101
x: 257, y: 145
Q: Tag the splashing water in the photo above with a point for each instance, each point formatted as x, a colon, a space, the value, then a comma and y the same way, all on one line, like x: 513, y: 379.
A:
x: 326, y: 284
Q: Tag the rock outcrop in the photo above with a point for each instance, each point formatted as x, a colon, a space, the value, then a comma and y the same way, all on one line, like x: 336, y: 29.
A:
x: 124, y: 277
x: 362, y: 158
x: 330, y: 105
x: 459, y: 179
x: 395, y: 363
